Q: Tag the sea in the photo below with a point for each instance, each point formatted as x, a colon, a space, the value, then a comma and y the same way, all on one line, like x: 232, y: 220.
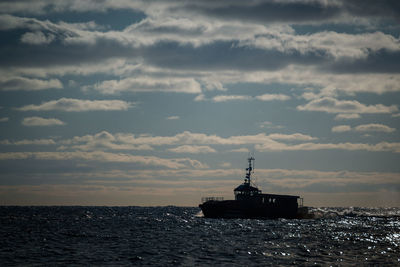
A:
x: 181, y: 236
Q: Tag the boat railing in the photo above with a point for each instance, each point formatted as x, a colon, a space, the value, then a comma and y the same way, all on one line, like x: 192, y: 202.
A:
x: 300, y: 202
x: 205, y: 199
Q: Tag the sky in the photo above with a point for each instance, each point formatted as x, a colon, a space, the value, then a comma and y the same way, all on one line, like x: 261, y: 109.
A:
x: 158, y: 103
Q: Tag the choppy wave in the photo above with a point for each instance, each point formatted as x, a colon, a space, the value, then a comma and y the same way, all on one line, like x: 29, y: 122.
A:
x: 353, y: 211
x: 163, y: 236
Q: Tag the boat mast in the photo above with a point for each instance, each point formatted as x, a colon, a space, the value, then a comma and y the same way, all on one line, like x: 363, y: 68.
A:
x: 249, y: 170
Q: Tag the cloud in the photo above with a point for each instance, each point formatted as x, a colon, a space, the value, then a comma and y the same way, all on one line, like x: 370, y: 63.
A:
x: 307, y: 12
x: 77, y: 105
x: 173, y: 118
x: 28, y: 84
x: 4, y: 119
x: 193, y: 149
x: 292, y: 137
x: 102, y: 140
x: 341, y: 128
x: 29, y: 142
x: 381, y: 147
x: 264, y: 97
x: 345, y: 11
x: 37, y: 38
x: 332, y: 105
x: 187, y: 142
x: 270, y: 97
x: 349, y: 116
x: 270, y: 125
x: 225, y: 98
x: 149, y: 84
x: 374, y: 127
x: 38, y: 121
x: 101, y: 156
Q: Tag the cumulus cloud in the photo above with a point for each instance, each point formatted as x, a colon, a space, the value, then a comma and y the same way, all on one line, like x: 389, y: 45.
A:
x: 341, y: 128
x: 347, y: 116
x: 187, y: 142
x: 193, y: 149
x: 332, y: 105
x: 28, y: 142
x: 102, y: 140
x: 382, y: 147
x: 225, y: 98
x: 149, y: 84
x: 270, y: 97
x: 106, y: 157
x: 37, y: 38
x: 264, y: 97
x: 77, y: 105
x: 374, y: 127
x: 39, y: 121
x: 28, y: 84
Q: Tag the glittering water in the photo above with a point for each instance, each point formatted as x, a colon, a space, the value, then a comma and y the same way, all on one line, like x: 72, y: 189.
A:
x: 179, y: 236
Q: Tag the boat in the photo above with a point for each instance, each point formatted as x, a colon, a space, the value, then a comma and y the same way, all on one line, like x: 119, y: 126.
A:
x: 250, y: 202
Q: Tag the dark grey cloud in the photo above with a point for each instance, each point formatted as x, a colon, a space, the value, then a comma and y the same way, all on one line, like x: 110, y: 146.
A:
x: 252, y: 10
x: 266, y: 11
x: 293, y: 11
x: 381, y: 61
x: 58, y: 54
x: 225, y: 55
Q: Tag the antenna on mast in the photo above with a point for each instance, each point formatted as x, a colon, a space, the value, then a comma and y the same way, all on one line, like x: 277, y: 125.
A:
x: 249, y: 170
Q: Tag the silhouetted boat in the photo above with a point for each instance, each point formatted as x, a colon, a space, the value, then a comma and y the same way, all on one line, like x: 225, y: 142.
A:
x: 251, y: 203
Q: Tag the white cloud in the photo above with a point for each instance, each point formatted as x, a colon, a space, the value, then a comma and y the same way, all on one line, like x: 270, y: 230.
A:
x: 101, y: 156
x: 264, y: 97
x: 77, y: 105
x: 149, y: 84
x: 270, y: 97
x: 199, y: 98
x: 29, y: 142
x: 270, y: 125
x: 187, y: 142
x: 374, y: 127
x: 38, y: 121
x: 347, y: 116
x: 332, y: 105
x: 173, y: 118
x: 382, y: 147
x: 37, y: 38
x: 225, y: 98
x: 102, y: 140
x: 292, y: 137
x: 28, y: 84
x: 341, y: 128
x: 193, y: 149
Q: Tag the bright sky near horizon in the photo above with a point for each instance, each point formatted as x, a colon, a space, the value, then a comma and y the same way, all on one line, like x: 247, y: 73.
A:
x: 160, y: 102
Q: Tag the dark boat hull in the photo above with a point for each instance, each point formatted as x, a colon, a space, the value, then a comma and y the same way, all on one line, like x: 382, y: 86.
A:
x: 248, y: 209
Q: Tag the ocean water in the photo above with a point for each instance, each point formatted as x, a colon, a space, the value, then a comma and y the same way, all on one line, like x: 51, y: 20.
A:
x: 164, y: 236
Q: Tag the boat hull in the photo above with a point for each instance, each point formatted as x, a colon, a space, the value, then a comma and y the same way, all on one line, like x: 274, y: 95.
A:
x: 248, y: 209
